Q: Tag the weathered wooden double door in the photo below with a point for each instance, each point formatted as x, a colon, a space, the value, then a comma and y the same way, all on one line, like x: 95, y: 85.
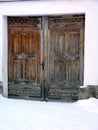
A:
x: 45, y: 57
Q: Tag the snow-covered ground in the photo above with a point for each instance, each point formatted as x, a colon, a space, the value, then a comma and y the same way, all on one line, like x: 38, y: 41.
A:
x: 36, y: 115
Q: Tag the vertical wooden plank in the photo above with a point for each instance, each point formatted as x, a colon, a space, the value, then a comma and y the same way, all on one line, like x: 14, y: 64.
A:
x: 38, y: 55
x: 46, y: 39
x: 10, y: 58
x: 27, y: 69
x: 81, y: 55
x: 23, y: 70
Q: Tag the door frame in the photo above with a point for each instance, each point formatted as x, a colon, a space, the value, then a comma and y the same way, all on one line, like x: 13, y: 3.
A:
x: 44, y: 49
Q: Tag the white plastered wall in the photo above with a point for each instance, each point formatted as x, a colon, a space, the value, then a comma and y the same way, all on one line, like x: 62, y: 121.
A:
x: 40, y: 8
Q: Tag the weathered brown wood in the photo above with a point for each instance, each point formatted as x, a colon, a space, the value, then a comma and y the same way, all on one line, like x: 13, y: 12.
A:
x: 66, y: 56
x: 67, y: 21
x: 46, y: 56
x: 24, y: 55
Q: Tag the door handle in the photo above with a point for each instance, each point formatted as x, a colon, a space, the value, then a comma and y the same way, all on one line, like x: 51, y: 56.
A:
x: 42, y: 65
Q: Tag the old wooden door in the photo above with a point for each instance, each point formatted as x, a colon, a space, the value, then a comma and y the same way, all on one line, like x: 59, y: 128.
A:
x: 45, y: 56
x: 65, y: 53
x: 24, y: 57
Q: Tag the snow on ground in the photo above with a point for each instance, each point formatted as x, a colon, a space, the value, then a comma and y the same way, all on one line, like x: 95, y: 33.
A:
x: 35, y: 115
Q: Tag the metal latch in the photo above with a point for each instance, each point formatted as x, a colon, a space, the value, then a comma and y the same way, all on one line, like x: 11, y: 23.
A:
x: 42, y: 65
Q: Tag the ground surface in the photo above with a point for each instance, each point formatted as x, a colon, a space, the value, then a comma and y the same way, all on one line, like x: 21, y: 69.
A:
x: 36, y: 115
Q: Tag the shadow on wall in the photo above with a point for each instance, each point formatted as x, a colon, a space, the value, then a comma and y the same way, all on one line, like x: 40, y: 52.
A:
x: 0, y: 87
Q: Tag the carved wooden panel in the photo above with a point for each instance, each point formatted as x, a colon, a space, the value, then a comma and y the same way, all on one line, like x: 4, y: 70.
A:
x: 45, y: 56
x: 65, y: 56
x: 24, y: 57
x: 34, y: 22
x: 67, y: 21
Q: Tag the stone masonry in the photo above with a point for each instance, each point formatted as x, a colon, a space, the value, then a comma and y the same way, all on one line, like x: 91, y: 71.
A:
x: 88, y: 92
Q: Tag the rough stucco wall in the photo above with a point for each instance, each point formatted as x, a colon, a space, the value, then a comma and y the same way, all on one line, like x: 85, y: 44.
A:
x: 91, y: 46
x: 1, y: 49
x: 36, y: 8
